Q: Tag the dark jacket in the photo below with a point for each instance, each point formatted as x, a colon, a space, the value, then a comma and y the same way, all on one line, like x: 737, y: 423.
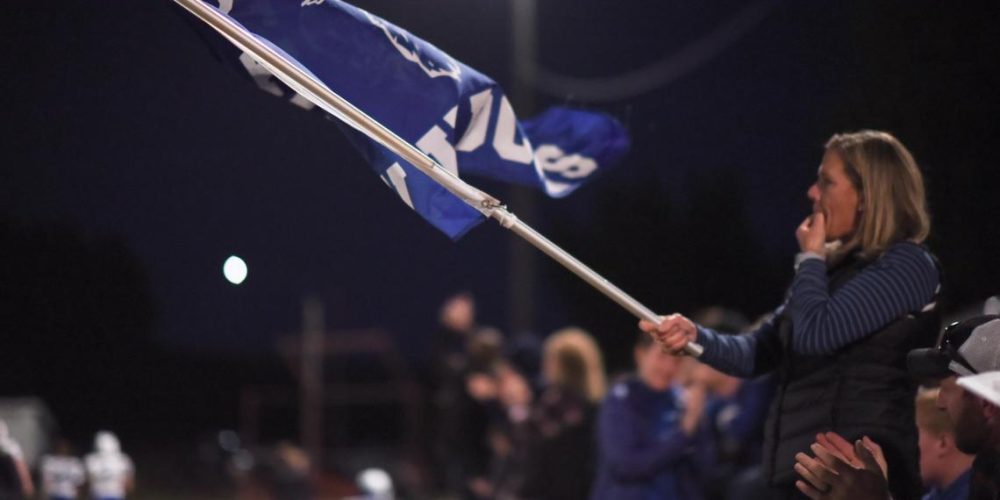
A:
x: 861, y: 389
x: 10, y: 481
x: 985, y: 480
x: 558, y: 447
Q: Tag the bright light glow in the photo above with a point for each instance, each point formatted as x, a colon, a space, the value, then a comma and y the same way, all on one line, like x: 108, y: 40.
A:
x: 375, y: 482
x: 235, y: 270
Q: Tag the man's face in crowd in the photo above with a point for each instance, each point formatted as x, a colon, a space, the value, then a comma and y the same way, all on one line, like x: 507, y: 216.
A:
x: 964, y: 409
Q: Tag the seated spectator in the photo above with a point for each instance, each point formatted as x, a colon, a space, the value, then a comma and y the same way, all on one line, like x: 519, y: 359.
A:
x: 509, y: 428
x: 944, y: 469
x: 558, y: 438
x: 62, y: 473
x: 735, y: 414
x: 450, y: 404
x: 982, y: 390
x: 458, y: 321
x: 474, y: 410
x: 966, y: 348
x: 648, y: 432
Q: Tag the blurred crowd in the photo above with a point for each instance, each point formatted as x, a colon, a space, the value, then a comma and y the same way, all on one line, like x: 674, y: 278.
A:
x: 106, y: 473
x: 520, y: 418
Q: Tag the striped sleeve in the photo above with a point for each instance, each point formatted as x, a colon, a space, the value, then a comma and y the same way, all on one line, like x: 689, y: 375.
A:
x: 743, y: 355
x: 731, y: 354
x: 903, y: 280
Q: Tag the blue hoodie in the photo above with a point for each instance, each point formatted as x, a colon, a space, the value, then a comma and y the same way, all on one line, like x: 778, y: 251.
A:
x: 643, y: 453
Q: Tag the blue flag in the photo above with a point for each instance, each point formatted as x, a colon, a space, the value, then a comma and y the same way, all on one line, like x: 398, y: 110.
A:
x: 450, y: 111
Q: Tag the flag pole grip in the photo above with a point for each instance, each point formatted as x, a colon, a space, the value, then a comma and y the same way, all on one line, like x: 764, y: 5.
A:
x: 317, y: 92
x: 630, y: 304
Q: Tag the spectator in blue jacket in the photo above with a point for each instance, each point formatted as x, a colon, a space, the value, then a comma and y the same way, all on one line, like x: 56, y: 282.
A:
x: 648, y: 432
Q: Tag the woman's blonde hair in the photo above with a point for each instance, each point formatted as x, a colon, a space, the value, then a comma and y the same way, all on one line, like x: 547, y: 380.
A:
x: 890, y: 187
x: 578, y: 362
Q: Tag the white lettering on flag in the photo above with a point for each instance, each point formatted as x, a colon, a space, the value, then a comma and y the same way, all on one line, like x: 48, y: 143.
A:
x: 397, y: 181
x: 409, y: 51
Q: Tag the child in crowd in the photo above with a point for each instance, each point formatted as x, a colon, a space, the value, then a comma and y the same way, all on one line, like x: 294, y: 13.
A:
x: 648, y: 432
x: 944, y: 469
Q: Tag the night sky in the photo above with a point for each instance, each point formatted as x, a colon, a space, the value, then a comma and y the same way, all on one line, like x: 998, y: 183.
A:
x: 123, y: 133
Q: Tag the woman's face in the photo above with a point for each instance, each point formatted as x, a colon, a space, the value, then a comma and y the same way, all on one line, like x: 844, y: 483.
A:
x: 835, y: 196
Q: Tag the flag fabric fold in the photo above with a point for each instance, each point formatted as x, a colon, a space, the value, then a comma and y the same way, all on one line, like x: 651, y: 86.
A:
x: 450, y: 111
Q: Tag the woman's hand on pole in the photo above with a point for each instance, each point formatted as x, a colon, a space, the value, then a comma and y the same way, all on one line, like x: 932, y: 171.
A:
x: 812, y: 234
x: 673, y: 332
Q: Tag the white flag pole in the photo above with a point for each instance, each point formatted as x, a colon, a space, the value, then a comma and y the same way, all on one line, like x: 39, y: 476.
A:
x: 321, y: 95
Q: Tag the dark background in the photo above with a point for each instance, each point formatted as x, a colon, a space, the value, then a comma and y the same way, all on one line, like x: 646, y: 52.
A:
x: 132, y: 164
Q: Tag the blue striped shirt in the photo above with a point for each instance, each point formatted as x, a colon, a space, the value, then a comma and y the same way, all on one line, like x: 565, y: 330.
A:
x: 903, y: 280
